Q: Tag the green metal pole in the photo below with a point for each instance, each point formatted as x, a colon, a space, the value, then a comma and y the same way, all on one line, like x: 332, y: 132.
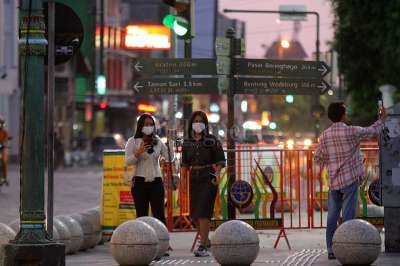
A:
x: 32, y: 51
x: 32, y: 245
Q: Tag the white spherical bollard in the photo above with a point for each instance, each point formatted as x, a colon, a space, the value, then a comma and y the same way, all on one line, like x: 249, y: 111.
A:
x: 161, y: 231
x: 76, y: 232
x: 134, y: 243
x: 235, y: 243
x: 64, y: 234
x: 94, y: 238
x: 356, y: 242
x: 88, y: 231
x: 95, y: 216
x: 14, y: 225
x: 6, y: 234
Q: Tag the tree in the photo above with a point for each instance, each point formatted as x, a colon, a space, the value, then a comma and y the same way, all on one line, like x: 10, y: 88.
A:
x: 367, y: 39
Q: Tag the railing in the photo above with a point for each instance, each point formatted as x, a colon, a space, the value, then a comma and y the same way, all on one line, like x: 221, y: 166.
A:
x: 288, y: 186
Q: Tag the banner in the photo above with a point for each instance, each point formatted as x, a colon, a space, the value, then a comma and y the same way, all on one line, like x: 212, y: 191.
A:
x: 117, y: 203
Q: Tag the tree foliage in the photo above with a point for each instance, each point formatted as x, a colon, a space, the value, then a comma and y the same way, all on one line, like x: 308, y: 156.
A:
x: 367, y: 38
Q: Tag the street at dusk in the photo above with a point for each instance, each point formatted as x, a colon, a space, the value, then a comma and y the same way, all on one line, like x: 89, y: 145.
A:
x: 206, y: 132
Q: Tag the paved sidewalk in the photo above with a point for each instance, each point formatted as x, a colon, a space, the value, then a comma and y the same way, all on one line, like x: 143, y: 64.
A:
x: 77, y: 189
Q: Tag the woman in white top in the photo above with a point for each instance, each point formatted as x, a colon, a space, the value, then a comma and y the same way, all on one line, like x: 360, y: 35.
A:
x: 144, y: 150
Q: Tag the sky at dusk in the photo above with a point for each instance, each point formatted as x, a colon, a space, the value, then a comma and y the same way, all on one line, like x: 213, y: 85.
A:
x: 264, y: 28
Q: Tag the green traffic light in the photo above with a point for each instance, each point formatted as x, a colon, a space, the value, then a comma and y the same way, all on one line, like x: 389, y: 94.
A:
x: 289, y: 98
x: 178, y: 24
x: 181, y: 26
x: 169, y: 21
x: 101, y: 85
x: 273, y: 125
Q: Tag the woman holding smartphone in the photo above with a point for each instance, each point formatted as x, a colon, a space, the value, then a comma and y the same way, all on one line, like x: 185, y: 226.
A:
x: 202, y: 161
x: 143, y: 151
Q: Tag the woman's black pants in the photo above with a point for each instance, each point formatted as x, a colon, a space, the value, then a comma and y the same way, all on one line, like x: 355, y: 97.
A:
x: 145, y: 193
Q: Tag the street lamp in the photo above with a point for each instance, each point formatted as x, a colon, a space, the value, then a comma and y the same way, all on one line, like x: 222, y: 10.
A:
x: 285, y: 44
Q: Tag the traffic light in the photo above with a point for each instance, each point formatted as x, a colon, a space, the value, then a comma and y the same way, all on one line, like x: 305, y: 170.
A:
x: 101, y: 85
x: 273, y: 125
x: 103, y: 105
x: 289, y: 98
x: 183, y: 22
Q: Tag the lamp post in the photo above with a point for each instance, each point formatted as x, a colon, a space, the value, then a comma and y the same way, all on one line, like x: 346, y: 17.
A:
x: 32, y: 245
x: 316, y: 100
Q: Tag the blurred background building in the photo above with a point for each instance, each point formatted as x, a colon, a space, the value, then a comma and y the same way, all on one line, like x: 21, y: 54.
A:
x: 94, y: 104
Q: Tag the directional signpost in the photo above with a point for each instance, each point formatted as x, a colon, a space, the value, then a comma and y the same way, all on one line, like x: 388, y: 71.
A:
x: 279, y: 76
x: 180, y: 86
x: 280, y: 86
x: 283, y: 76
x: 281, y: 68
x: 174, y: 66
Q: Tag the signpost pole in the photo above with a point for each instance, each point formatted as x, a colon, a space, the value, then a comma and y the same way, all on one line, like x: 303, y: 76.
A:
x: 316, y: 97
x: 187, y: 99
x: 231, y: 156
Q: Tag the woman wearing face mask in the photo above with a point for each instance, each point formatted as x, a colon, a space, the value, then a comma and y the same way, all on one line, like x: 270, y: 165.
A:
x: 143, y: 150
x: 202, y: 161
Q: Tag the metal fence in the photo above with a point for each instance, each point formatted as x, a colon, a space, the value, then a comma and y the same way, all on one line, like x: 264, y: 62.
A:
x: 287, y: 184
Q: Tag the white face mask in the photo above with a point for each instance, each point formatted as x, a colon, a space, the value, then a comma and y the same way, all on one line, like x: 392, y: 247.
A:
x: 148, y: 130
x: 198, y: 127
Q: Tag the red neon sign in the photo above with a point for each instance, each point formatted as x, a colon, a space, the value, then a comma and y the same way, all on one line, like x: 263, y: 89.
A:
x: 147, y: 37
x: 146, y: 108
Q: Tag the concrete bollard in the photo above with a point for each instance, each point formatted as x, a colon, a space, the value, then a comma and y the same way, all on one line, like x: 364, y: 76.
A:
x: 14, y: 225
x: 6, y: 234
x: 356, y: 242
x: 88, y: 231
x: 134, y: 243
x: 64, y: 234
x: 76, y: 232
x: 95, y: 216
x: 161, y: 232
x: 235, y: 243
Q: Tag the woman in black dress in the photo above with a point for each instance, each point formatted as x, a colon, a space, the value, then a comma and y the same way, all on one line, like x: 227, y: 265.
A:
x: 202, y: 161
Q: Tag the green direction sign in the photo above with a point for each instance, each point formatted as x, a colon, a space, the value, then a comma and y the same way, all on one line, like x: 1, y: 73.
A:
x: 280, y: 86
x: 179, y: 86
x: 281, y: 68
x: 179, y: 66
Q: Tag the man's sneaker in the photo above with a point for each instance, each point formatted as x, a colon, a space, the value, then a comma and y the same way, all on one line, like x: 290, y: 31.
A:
x: 201, y: 252
x: 331, y: 256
